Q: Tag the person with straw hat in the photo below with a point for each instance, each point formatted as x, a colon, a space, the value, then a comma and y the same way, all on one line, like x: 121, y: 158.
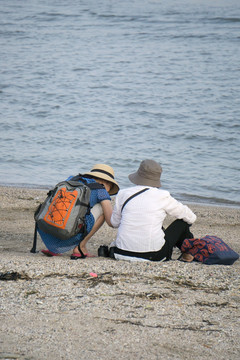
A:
x: 139, y: 213
x: 101, y: 210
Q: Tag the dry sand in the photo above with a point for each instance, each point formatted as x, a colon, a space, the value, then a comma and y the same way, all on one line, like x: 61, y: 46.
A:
x: 51, y: 308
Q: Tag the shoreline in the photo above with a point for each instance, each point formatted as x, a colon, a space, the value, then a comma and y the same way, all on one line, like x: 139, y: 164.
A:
x: 53, y: 307
x: 204, y: 201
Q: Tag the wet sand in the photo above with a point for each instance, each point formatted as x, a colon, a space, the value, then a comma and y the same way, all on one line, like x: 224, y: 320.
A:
x: 53, y: 308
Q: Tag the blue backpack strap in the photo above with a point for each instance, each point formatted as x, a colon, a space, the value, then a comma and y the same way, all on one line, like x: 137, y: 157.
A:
x: 92, y: 185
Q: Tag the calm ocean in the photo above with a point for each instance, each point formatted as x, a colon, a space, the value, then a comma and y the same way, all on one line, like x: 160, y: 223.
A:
x: 107, y: 81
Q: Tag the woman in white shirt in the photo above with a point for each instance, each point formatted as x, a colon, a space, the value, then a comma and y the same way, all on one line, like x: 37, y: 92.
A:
x: 139, y: 213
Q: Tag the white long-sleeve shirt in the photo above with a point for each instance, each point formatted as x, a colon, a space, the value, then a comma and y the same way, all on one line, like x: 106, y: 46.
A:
x: 140, y: 223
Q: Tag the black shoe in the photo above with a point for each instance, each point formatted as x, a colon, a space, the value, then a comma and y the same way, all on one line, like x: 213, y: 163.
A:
x: 111, y: 253
x: 103, y: 251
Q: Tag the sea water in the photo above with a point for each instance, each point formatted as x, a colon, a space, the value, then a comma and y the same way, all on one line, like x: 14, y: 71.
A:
x: 116, y: 82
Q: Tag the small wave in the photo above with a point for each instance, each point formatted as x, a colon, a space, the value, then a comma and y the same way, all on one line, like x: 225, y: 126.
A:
x: 208, y: 200
x: 4, y: 86
x: 121, y: 18
x: 228, y: 125
x: 225, y: 19
x: 98, y: 87
x: 51, y: 15
x: 13, y: 33
x: 81, y: 69
x: 190, y: 36
x: 124, y: 17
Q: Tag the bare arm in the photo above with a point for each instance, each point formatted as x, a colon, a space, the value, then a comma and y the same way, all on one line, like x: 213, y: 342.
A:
x: 107, y: 211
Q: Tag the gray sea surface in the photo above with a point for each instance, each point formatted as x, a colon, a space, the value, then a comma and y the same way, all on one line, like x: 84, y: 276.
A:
x: 86, y: 81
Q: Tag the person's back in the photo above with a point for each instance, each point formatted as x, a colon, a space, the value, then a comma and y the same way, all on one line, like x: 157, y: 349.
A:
x: 140, y: 222
x: 141, y: 219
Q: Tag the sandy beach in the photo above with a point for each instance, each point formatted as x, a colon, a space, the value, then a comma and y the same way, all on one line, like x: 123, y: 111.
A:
x: 52, y: 308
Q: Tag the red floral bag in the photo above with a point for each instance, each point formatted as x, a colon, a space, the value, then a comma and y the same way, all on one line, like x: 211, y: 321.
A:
x: 210, y: 250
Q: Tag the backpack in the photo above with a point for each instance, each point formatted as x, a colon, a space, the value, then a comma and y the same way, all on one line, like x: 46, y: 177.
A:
x: 210, y: 250
x: 63, y: 212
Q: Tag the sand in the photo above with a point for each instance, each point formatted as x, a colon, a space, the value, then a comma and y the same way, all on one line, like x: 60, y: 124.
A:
x: 52, y: 308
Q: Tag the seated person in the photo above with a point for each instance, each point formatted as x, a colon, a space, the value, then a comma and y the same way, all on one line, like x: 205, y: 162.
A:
x: 140, y: 220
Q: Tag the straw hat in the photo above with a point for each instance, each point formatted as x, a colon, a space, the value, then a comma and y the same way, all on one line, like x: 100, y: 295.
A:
x: 105, y: 172
x: 148, y: 173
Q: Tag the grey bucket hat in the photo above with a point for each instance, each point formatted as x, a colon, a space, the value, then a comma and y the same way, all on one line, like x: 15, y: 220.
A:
x: 148, y: 173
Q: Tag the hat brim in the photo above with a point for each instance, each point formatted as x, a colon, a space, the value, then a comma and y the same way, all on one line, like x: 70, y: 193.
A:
x: 139, y: 180
x: 115, y: 188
